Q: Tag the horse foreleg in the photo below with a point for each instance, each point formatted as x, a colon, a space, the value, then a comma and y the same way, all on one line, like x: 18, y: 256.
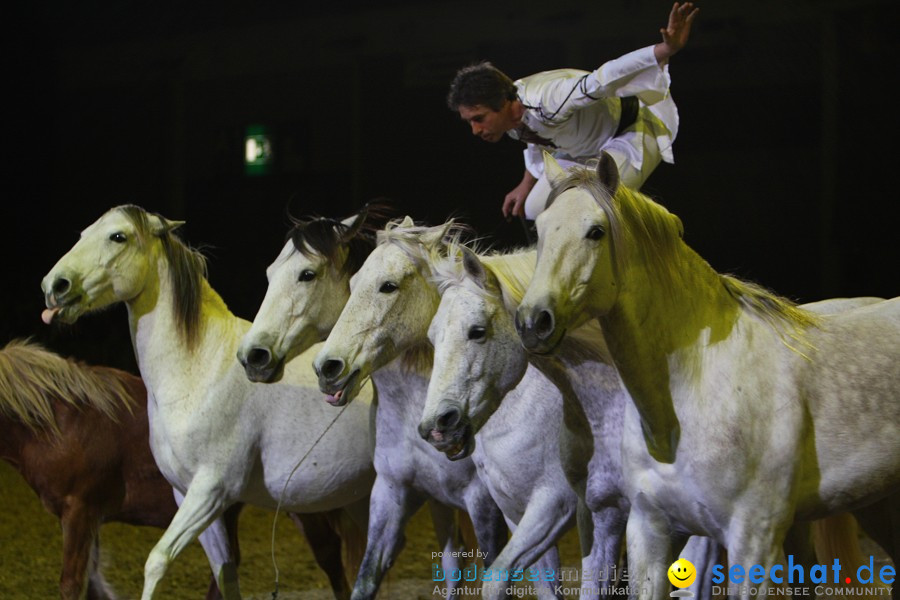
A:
x: 230, y: 518
x: 326, y: 547
x: 98, y: 588
x: 390, y: 508
x: 197, y: 516
x: 755, y: 540
x: 605, y: 535
x: 545, y: 519
x: 649, y: 551
x: 444, y: 521
x: 80, y: 528
x: 703, y: 553
x: 487, y: 520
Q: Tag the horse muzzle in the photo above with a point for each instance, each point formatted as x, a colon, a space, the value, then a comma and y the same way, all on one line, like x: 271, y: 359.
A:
x: 61, y: 297
x: 537, y: 329
x: 450, y: 432
x: 338, y: 390
x: 260, y: 364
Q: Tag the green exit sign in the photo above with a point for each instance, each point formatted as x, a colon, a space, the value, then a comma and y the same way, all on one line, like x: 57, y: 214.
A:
x: 259, y: 155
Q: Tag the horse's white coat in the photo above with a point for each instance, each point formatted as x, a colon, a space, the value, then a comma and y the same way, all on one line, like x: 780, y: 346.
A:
x: 297, y: 311
x: 742, y: 419
x: 218, y: 438
x: 389, y: 311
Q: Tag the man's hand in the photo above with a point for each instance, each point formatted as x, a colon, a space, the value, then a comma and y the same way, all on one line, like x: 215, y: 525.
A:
x: 676, y: 34
x: 514, y: 203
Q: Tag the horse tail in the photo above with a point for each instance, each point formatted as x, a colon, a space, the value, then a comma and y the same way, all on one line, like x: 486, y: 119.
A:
x: 353, y: 538
x: 837, y: 537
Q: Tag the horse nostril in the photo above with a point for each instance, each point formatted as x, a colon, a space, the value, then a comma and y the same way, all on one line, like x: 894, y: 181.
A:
x: 61, y: 285
x: 543, y: 326
x: 448, y: 419
x: 258, y: 357
x: 520, y: 327
x: 331, y: 368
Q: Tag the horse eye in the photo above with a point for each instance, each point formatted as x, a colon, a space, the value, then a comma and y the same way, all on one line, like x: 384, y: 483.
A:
x: 118, y: 237
x: 307, y: 275
x: 595, y: 233
x: 387, y: 287
x: 477, y: 332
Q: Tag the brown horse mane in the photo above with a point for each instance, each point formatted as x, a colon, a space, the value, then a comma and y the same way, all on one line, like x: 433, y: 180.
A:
x: 31, y: 378
x: 187, y: 270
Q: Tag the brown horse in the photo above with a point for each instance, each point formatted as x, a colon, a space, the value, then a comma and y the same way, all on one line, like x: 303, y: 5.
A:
x: 79, y: 436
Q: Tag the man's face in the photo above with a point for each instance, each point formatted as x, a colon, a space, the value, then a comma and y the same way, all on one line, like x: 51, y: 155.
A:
x: 486, y: 123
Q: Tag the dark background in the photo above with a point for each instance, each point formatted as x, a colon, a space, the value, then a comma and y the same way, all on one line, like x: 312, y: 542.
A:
x: 785, y: 162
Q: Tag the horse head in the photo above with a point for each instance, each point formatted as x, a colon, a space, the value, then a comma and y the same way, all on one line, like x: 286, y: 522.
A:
x: 390, y: 307
x: 477, y: 355
x: 309, y: 284
x: 110, y: 263
x: 575, y: 275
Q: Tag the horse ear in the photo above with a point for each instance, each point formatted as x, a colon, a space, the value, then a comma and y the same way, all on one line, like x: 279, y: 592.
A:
x: 354, y: 223
x: 433, y: 236
x: 407, y: 222
x: 160, y: 226
x: 473, y: 266
x: 608, y: 172
x: 554, y: 172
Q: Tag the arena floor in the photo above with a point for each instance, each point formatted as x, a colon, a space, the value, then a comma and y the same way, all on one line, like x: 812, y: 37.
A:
x: 31, y: 550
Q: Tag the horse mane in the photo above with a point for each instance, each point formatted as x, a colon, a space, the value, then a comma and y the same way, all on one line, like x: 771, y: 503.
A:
x: 513, y: 271
x: 328, y: 237
x: 425, y: 246
x: 776, y: 310
x: 638, y: 224
x: 31, y: 378
x: 187, y: 271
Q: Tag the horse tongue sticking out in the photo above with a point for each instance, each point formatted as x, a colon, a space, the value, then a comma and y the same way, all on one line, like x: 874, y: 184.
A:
x: 48, y: 313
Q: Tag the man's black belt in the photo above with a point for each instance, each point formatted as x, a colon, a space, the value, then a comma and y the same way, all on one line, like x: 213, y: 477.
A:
x: 630, y: 107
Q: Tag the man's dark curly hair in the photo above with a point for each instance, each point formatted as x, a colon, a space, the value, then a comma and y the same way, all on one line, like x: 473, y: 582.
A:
x: 483, y: 84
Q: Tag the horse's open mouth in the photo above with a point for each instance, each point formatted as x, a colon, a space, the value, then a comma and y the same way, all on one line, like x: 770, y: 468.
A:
x: 345, y: 392
x: 66, y: 313
x: 459, y: 445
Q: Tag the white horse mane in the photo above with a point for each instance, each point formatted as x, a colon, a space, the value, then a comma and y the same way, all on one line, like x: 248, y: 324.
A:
x: 512, y: 272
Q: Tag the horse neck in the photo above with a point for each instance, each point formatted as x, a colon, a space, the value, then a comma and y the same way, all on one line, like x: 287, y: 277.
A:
x: 401, y: 394
x: 14, y: 439
x: 514, y: 272
x: 162, y: 348
x: 660, y: 316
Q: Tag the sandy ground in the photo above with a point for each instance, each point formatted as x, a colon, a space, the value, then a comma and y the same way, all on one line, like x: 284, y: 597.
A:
x: 31, y: 548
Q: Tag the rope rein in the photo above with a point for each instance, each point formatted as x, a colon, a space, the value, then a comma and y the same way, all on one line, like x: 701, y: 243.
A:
x: 284, y: 490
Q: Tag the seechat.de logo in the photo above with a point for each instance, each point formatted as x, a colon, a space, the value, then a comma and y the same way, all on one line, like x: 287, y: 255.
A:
x: 682, y: 574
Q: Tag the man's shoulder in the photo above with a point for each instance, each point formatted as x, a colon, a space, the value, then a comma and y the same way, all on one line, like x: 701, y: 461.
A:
x: 554, y: 75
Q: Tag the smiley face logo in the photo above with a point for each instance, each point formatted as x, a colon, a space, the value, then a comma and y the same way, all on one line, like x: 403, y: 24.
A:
x: 682, y: 573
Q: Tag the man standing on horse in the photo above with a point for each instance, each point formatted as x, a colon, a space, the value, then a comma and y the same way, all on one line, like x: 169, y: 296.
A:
x: 623, y: 108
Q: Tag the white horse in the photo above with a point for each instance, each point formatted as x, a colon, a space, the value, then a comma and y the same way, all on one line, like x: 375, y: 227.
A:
x: 478, y: 358
x: 309, y: 284
x: 390, y: 308
x: 216, y: 437
x: 747, y: 412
